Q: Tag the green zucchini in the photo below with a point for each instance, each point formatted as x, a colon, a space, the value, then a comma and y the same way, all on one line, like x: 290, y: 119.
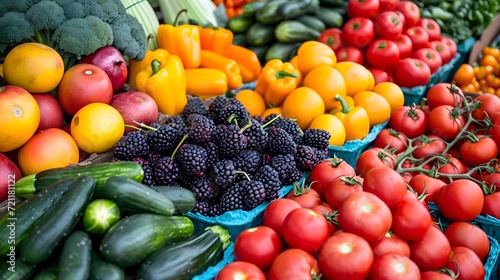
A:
x: 260, y: 34
x: 240, y: 39
x: 185, y: 259
x: 16, y: 269
x: 282, y: 51
x: 135, y: 237
x: 183, y: 199
x: 102, y: 270
x: 267, y: 13
x: 33, y: 183
x: 293, y: 9
x: 28, y: 213
x: 43, y: 239
x: 312, y: 22
x: 239, y: 24
x: 47, y: 273
x: 136, y: 197
x: 260, y: 51
x: 330, y: 17
x: 250, y: 8
x: 100, y: 215
x: 74, y: 261
x: 290, y: 31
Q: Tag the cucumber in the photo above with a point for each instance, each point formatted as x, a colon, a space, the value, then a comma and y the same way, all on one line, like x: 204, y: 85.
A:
x: 43, y: 239
x: 290, y: 31
x: 282, y: 51
x: 28, y: 213
x: 74, y: 261
x: 267, y: 13
x: 250, y: 8
x: 48, y: 273
x: 293, y: 9
x: 135, y: 237
x: 31, y: 184
x: 183, y: 199
x: 240, y: 39
x: 260, y: 51
x: 260, y: 34
x: 239, y: 24
x: 136, y: 197
x: 187, y: 258
x: 102, y: 270
x: 312, y: 22
x: 330, y: 17
x: 100, y: 215
x: 16, y: 269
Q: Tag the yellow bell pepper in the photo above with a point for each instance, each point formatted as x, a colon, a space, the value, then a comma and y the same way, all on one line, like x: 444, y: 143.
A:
x: 136, y: 66
x: 338, y: 108
x: 355, y: 120
x: 210, y: 59
x: 216, y: 39
x: 247, y: 61
x: 182, y: 40
x: 293, y: 61
x: 165, y: 81
x: 205, y: 82
x: 276, y: 80
x: 312, y: 54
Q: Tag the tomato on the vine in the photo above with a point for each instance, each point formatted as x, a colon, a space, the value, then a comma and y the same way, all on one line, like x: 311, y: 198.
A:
x: 490, y: 206
x: 374, y: 157
x: 468, y: 235
x: 386, y: 184
x: 382, y: 53
x: 424, y: 184
x: 430, y: 57
x: 294, y: 264
x: 340, y: 188
x: 258, y: 245
x: 358, y: 32
x: 478, y: 150
x: 494, y: 130
x: 391, y: 243
x: 327, y: 170
x: 445, y: 121
x: 409, y: 120
x: 489, y: 105
x: 411, y: 220
x: 460, y: 200
x: 395, y: 267
x: 432, y: 251
x: 444, y: 94
x: 428, y: 145
x: 391, y: 139
x: 240, y: 270
x: 466, y: 264
x: 297, y: 229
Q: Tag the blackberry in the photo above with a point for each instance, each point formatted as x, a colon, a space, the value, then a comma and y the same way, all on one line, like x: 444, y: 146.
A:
x: 288, y: 125
x: 223, y: 172
x: 280, y: 142
x: 255, y: 193
x: 233, y: 112
x: 295, y: 175
x: 306, y: 157
x: 230, y: 140
x: 153, y: 158
x: 266, y: 157
x: 164, y: 139
x: 192, y: 159
x: 284, y: 164
x: 212, y: 152
x: 270, y: 179
x: 176, y: 122
x: 194, y: 106
x: 321, y: 154
x: 204, y: 189
x: 166, y: 171
x: 134, y: 144
x: 259, y: 119
x: 317, y: 138
x: 149, y: 176
x: 200, y: 129
x: 232, y: 198
x: 247, y: 161
x: 216, y: 105
x: 208, y: 209
x: 256, y: 135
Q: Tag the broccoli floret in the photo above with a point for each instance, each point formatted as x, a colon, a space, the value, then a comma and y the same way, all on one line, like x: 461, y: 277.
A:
x: 74, y: 10
x: 129, y: 36
x: 107, y: 10
x: 45, y: 15
x: 19, y: 5
x: 15, y: 28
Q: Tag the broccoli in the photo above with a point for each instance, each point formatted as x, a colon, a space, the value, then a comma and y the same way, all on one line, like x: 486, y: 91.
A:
x: 19, y: 5
x: 107, y: 10
x: 45, y: 16
x: 15, y: 28
x: 129, y: 36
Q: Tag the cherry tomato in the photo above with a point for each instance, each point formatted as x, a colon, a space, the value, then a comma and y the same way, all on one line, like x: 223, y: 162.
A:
x: 430, y: 56
x: 442, y: 49
x: 410, y: 11
x: 363, y: 8
x: 394, y: 266
x: 444, y: 94
x: 388, y: 25
x: 276, y: 211
x: 478, y: 150
x: 294, y: 264
x: 327, y: 170
x: 423, y: 184
x: 382, y: 53
x: 411, y: 220
x: 412, y: 72
x: 468, y: 235
x: 331, y: 37
x: 374, y: 157
x: 409, y: 120
x: 258, y: 245
x: 460, y: 200
x: 391, y: 243
x: 340, y: 188
x: 466, y: 264
x: 432, y: 251
x: 391, y: 139
x: 240, y: 270
x: 297, y: 229
x: 432, y: 28
x: 350, y: 53
x: 405, y: 46
x: 386, y: 184
x: 489, y: 104
x: 358, y: 31
x: 445, y: 121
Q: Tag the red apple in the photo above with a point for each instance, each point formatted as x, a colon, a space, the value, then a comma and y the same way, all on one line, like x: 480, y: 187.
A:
x: 110, y: 60
x: 9, y: 174
x: 51, y: 114
x: 135, y: 106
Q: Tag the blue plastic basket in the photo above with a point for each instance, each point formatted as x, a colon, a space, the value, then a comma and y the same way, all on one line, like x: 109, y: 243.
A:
x: 465, y: 46
x: 212, y: 271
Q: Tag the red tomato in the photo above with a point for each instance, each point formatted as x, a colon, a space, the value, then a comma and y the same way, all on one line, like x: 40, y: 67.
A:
x: 405, y: 46
x: 489, y: 104
x: 394, y: 266
x: 444, y: 94
x: 388, y: 25
x: 297, y: 229
x: 345, y: 256
x: 450, y: 166
x: 490, y: 206
x: 466, y: 264
x: 445, y: 121
x: 478, y: 150
x: 410, y: 11
x: 460, y: 200
x: 409, y: 120
x: 240, y: 270
x: 432, y: 251
x: 331, y: 37
x: 435, y: 275
x: 380, y: 75
x: 423, y: 184
x: 363, y: 8
x: 442, y: 49
x: 494, y: 131
x: 412, y: 72
x: 430, y: 56
x: 374, y: 157
x: 386, y: 184
x: 327, y: 211
x: 382, y: 53
x: 418, y: 36
x: 294, y: 264
x: 305, y: 196
x: 411, y: 220
x: 340, y: 188
x: 388, y: 5
x: 350, y: 53
x: 451, y: 44
x: 358, y: 31
x: 468, y: 235
x: 428, y: 144
x: 390, y: 243
x: 276, y: 211
x: 258, y: 245
x: 366, y: 215
x: 324, y: 172
x: 432, y: 28
x: 391, y: 139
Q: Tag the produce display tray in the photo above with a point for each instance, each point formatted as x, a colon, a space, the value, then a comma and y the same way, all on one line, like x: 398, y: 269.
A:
x: 212, y: 271
x: 351, y: 150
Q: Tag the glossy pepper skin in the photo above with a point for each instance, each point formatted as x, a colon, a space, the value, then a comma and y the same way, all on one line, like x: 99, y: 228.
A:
x: 205, y: 82
x: 276, y: 80
x: 216, y: 39
x: 312, y: 54
x: 136, y: 66
x: 355, y: 120
x: 247, y: 61
x: 165, y: 81
x: 338, y: 107
x: 210, y: 59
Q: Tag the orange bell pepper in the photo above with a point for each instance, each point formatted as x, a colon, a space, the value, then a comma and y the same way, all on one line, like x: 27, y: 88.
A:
x: 210, y: 59
x: 276, y: 80
x: 247, y: 61
x: 312, y: 54
x: 216, y: 39
x: 205, y: 82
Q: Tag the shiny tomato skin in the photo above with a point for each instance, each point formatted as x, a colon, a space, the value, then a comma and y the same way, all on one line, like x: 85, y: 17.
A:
x: 331, y: 37
x: 374, y: 157
x: 430, y: 56
x: 444, y: 94
x: 466, y: 264
x: 258, y: 245
x: 327, y: 170
x: 476, y: 153
x: 490, y: 206
x: 494, y: 131
x: 240, y: 270
x: 380, y: 75
x: 345, y: 256
x: 363, y: 8
x: 442, y: 49
x: 418, y: 36
x: 276, y: 211
x: 382, y: 53
x: 489, y: 105
x: 411, y: 121
x: 358, y: 32
x: 294, y: 264
x: 443, y: 123
x: 340, y: 188
x: 297, y: 229
x: 391, y: 243
x: 434, y: 275
x: 428, y: 144
x: 411, y: 220
x: 432, y: 251
x: 451, y: 166
x: 307, y: 197
x: 460, y: 200
x: 405, y: 46
x: 432, y: 28
x: 451, y: 44
x: 410, y: 11
x: 412, y: 72
x: 327, y: 211
x: 422, y: 183
x: 386, y: 184
x: 388, y: 25
x: 468, y: 235
x: 350, y: 53
x: 394, y: 266
x: 388, y: 5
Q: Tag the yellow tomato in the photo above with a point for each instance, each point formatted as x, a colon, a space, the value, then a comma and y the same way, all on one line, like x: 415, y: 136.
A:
x: 377, y: 107
x: 97, y: 127
x: 357, y: 78
x: 35, y: 67
x: 303, y: 104
x: 333, y: 125
x: 253, y: 101
x: 327, y: 82
x: 392, y: 93
x: 272, y: 110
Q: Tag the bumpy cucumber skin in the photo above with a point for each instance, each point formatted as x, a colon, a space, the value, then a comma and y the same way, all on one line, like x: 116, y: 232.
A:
x: 74, y: 261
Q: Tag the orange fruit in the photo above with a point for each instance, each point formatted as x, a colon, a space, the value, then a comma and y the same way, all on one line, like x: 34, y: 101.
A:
x: 19, y: 117
x: 97, y: 127
x: 35, y: 67
x: 392, y: 93
x: 327, y: 82
x: 50, y: 148
x: 303, y: 104
x: 377, y: 107
x: 464, y: 75
x: 357, y: 78
x: 272, y: 110
x: 333, y: 125
x: 253, y: 101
